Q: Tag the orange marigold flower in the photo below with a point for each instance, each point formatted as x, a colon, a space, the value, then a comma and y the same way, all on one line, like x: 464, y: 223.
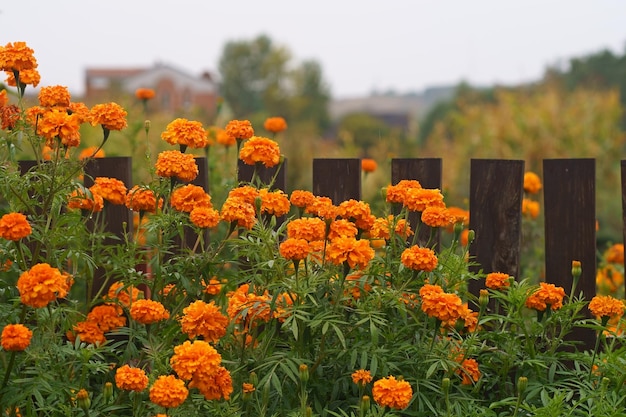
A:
x: 4, y: 99
x: 14, y: 226
x: 368, y: 165
x: 82, y: 113
x: 397, y: 193
x: 107, y: 316
x: 301, y: 198
x: 213, y: 287
x: 437, y: 216
x: 322, y: 207
x: 189, y: 197
x: 546, y: 295
x: 239, y: 130
x: 142, y: 199
x: 460, y: 215
x: 41, y: 284
x: 294, y: 249
x: 17, y: 56
x: 56, y: 95
x: 91, y: 152
x: 260, y: 150
x: 274, y: 202
x: 237, y: 210
x: 124, y: 294
x: 145, y: 93
x: 419, y: 259
x: 445, y: 307
x: 204, y: 217
x: 609, y: 279
x: 168, y: 391
x: 357, y: 211
x: 15, y: 337
x: 79, y: 199
x: 530, y: 208
x: 497, y: 280
x: 195, y: 360
x: 9, y: 115
x: 275, y: 124
x: 392, y: 393
x: 177, y: 164
x: 111, y: 189
x: 204, y: 319
x: 418, y: 199
x: 57, y: 123
x: 362, y: 377
x: 186, y: 133
x: 246, y: 306
x: 148, y: 311
x: 129, y: 378
x: 605, y: 306
x: 307, y: 228
x: 247, y: 388
x: 357, y: 253
x: 89, y: 332
x: 532, y: 183
x: 469, y: 371
x: 27, y: 77
x: 380, y: 228
x: 342, y: 228
x: 615, y: 254
x: 215, y: 386
x: 246, y: 192
x: 110, y: 115
x: 223, y: 138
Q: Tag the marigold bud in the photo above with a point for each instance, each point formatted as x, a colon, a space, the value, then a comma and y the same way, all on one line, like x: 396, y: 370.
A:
x: 146, y: 126
x: 483, y: 298
x: 254, y: 379
x: 445, y: 385
x: 522, y: 384
x: 471, y: 235
x: 108, y: 391
x: 304, y: 373
x: 576, y: 269
x: 365, y: 404
x: 83, y: 400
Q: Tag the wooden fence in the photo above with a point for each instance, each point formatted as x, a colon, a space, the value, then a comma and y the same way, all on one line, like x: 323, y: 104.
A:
x: 496, y: 193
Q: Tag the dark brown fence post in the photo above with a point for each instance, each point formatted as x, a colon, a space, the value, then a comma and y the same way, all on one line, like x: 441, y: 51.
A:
x: 338, y: 179
x: 623, y: 171
x: 277, y: 173
x: 570, y: 228
x: 428, y: 172
x: 496, y: 192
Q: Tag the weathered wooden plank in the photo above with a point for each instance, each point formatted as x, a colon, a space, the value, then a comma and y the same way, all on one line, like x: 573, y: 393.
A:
x: 339, y: 179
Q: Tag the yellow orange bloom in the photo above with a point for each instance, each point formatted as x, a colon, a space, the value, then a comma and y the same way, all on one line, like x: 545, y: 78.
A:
x: 15, y: 337
x: 275, y: 124
x: 392, y: 393
x: 9, y: 115
x: 445, y: 307
x: 237, y: 210
x: 27, y: 77
x: 213, y: 287
x: 129, y: 378
x: 195, y: 360
x: 397, y: 193
x: 148, y: 311
x: 358, y: 212
x: 274, y: 202
x: 342, y: 228
x: 246, y: 306
x: 497, y: 280
x: 57, y: 123
x: 168, y: 391
x: 124, y: 294
x: 142, y: 199
x: 546, y: 295
x: 239, y: 129
x: 357, y: 253
x: 111, y: 189
x: 322, y: 207
x: 110, y: 115
x: 79, y: 199
x: 294, y: 249
x: 215, y: 386
x: 4, y: 100
x: 246, y: 192
x: 469, y: 371
x: 189, y: 197
x: 145, y: 93
x: 605, y: 306
x: 107, y: 316
x: 260, y: 150
x: 204, y: 217
x: 41, y: 284
x: 82, y: 113
x: 177, y: 164
x: 247, y: 388
x: 56, y: 95
x: 91, y: 152
x: 307, y: 228
x: 615, y: 254
x: 223, y: 138
x: 609, y: 279
x: 14, y: 226
x: 418, y: 199
x: 88, y: 332
x: 368, y: 165
x: 185, y: 132
x: 362, y: 377
x: 419, y: 259
x: 301, y: 198
x: 532, y: 183
x: 17, y: 56
x: 530, y: 208
x: 437, y: 216
x: 204, y: 319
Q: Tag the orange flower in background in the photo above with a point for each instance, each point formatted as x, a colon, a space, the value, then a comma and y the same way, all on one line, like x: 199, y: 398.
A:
x: 17, y: 56
x: 260, y: 150
x: 129, y: 378
x: 419, y: 259
x: 392, y: 393
x: 107, y: 316
x: 294, y: 249
x: 189, y: 197
x: 111, y: 189
x: 148, y: 311
x: 214, y: 287
x: 88, y: 332
x: 15, y: 337
x: 247, y: 388
x: 4, y: 99
x: 177, y: 164
x: 532, y: 183
x: 469, y: 371
x: 223, y: 138
x: 460, y: 215
x: 606, y: 307
x: 145, y: 93
x: 380, y: 228
x: 615, y: 254
x: 301, y: 198
x: 27, y: 77
x: 445, y: 307
x: 274, y: 202
x: 110, y: 115
x: 246, y: 192
x: 322, y: 207
x: 342, y: 228
x: 91, y: 152
x: 56, y: 95
x: 186, y: 133
x: 275, y: 124
x: 237, y: 210
x: 609, y: 279
x: 368, y: 165
x: 357, y: 211
x: 124, y: 294
x: 357, y: 253
x: 245, y: 306
x: 362, y: 377
x: 307, y: 228
x: 41, y: 284
x: 530, y: 208
x: 195, y: 360
x: 142, y: 199
x: 168, y: 391
x: 14, y: 226
x: 546, y: 295
x: 469, y: 317
x: 418, y: 199
x: 397, y: 193
x: 497, y: 280
x: 239, y: 130
x: 85, y: 200
x: 204, y: 319
x: 9, y: 115
x: 57, y: 123
x: 215, y: 386
x: 204, y: 217
x: 437, y: 216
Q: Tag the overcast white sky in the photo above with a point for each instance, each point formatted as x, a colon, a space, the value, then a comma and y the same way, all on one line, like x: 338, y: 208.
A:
x: 405, y: 45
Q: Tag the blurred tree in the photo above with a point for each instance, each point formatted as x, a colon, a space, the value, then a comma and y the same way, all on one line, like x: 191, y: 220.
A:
x: 311, y: 95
